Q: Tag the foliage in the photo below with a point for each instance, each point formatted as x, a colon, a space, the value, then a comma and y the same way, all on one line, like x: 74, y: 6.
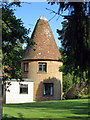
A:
x: 74, y: 37
x: 78, y: 91
x: 67, y: 82
x: 0, y: 59
x: 70, y: 82
x: 75, y: 41
x: 14, y: 35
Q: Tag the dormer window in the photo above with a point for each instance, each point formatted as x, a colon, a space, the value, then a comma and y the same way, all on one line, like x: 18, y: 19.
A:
x: 25, y: 67
x: 42, y: 67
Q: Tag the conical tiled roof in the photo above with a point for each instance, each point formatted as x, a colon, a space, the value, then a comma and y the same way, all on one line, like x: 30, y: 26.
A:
x: 45, y: 48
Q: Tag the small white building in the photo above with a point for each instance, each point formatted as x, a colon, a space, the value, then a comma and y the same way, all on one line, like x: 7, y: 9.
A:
x: 19, y: 92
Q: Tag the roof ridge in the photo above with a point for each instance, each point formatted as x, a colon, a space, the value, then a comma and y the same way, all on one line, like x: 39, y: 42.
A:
x: 42, y: 17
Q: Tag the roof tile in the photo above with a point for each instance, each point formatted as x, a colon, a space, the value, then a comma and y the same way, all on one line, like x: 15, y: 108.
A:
x: 45, y: 47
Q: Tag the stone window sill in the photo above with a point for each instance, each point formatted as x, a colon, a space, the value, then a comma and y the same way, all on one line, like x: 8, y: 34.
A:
x: 42, y: 72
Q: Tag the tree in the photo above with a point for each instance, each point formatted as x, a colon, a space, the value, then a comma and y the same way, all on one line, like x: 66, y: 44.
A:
x: 14, y: 35
x: 72, y: 87
x: 75, y: 37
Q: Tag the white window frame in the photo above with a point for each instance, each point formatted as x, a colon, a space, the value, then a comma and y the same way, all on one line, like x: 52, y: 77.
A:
x: 43, y: 66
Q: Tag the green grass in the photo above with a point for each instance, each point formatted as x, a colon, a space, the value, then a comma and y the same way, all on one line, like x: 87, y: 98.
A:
x: 66, y: 109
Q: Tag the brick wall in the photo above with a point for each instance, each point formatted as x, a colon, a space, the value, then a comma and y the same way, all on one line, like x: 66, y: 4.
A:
x: 51, y: 76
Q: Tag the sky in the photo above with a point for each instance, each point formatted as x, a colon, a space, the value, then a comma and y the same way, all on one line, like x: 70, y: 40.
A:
x: 30, y: 12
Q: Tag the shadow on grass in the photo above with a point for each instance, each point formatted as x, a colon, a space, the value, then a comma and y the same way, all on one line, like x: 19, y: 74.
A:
x: 75, y: 106
x: 5, y: 117
x: 21, y: 118
x: 54, y: 105
x: 12, y: 118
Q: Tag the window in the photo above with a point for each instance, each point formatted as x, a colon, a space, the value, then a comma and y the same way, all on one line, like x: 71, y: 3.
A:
x: 48, y: 89
x: 42, y: 67
x: 25, y: 67
x: 23, y: 88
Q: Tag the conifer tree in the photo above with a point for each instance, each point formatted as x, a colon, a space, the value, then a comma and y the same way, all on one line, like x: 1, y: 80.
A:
x: 74, y: 37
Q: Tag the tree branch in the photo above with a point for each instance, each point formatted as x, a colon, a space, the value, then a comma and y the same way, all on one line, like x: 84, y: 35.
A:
x: 57, y: 13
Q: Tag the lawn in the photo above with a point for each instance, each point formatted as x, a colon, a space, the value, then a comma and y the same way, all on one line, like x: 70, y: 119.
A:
x: 66, y: 109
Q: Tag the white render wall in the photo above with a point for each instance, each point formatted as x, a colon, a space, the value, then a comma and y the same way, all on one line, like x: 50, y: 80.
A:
x: 14, y: 95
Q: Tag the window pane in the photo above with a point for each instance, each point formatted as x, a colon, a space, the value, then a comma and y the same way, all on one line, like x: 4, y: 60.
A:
x: 25, y: 67
x: 48, y: 89
x: 44, y: 90
x: 51, y: 90
x: 23, y: 89
x: 42, y: 67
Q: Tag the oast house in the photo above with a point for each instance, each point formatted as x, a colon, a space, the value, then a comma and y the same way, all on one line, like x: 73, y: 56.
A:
x: 40, y: 63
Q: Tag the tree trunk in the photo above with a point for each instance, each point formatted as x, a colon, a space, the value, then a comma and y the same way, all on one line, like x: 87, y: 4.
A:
x: 0, y: 98
x: 0, y: 64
